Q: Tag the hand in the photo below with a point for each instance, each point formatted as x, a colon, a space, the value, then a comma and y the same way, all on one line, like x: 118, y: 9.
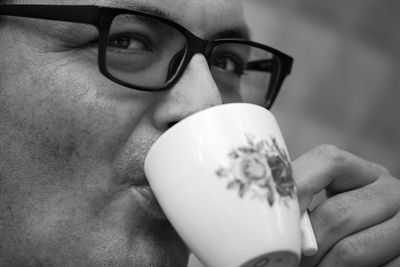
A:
x: 359, y: 222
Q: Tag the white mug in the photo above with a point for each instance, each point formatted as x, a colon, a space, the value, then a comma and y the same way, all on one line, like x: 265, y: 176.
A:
x: 223, y: 178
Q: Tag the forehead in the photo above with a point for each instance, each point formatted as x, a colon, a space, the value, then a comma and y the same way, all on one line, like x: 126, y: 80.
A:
x: 202, y: 17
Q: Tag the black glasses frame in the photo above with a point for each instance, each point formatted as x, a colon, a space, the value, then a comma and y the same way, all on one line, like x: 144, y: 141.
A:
x: 101, y: 17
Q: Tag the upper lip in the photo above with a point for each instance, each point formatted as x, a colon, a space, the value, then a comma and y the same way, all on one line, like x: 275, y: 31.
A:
x: 140, y: 180
x: 149, y: 202
x: 132, y: 177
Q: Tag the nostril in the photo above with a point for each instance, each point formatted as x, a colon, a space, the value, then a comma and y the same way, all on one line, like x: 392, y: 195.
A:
x: 172, y: 123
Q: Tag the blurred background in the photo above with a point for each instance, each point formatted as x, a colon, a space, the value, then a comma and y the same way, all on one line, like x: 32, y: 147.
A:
x: 345, y: 84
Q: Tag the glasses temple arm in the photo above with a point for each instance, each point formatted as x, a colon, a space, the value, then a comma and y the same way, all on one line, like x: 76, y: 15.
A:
x: 80, y: 14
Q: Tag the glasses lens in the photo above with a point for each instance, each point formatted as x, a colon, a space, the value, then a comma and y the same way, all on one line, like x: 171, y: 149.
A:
x: 242, y: 72
x: 142, y: 51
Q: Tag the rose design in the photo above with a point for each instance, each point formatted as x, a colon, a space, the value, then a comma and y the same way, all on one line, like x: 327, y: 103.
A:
x: 262, y: 168
x: 250, y: 167
x: 253, y: 169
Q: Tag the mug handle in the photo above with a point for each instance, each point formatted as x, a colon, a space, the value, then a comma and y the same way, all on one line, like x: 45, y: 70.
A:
x: 309, y: 246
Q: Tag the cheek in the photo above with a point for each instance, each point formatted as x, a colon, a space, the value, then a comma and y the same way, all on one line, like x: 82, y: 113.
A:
x: 73, y: 109
x: 61, y: 125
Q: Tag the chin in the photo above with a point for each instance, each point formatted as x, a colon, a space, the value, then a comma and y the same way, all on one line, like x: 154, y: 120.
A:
x: 169, y: 250
x: 155, y: 244
x: 171, y: 257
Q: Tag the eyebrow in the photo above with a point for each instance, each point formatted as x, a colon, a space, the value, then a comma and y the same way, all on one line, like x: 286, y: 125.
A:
x: 240, y: 32
x: 142, y: 8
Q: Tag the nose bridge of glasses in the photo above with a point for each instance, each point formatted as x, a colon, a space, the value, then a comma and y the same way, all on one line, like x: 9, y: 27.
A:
x: 197, y: 45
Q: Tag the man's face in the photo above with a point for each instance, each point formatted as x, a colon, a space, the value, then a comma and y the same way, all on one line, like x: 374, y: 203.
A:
x: 72, y: 143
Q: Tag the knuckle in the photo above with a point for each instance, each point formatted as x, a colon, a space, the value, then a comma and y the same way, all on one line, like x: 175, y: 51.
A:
x: 347, y: 252
x: 333, y: 215
x: 383, y: 170
x: 331, y: 153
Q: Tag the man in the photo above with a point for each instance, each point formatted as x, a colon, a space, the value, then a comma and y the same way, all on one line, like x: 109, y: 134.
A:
x: 73, y: 138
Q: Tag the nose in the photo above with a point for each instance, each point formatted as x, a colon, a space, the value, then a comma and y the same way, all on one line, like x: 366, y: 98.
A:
x: 195, y: 91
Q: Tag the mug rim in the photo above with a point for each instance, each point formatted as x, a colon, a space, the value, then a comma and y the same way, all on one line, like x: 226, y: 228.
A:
x: 197, y: 114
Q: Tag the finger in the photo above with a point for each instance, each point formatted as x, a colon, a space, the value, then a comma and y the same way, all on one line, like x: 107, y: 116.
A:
x: 393, y: 263
x: 353, y: 211
x: 368, y: 248
x: 331, y: 168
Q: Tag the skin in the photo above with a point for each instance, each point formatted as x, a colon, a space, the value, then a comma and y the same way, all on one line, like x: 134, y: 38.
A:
x: 359, y: 222
x: 72, y: 146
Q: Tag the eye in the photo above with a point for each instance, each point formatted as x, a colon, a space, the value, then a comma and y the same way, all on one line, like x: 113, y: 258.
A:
x: 131, y: 43
x: 229, y: 63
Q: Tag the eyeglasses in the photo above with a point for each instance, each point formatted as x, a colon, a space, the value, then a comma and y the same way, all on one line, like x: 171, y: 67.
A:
x: 147, y: 52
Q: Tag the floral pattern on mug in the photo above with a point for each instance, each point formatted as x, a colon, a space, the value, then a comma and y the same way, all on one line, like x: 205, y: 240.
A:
x: 261, y: 169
